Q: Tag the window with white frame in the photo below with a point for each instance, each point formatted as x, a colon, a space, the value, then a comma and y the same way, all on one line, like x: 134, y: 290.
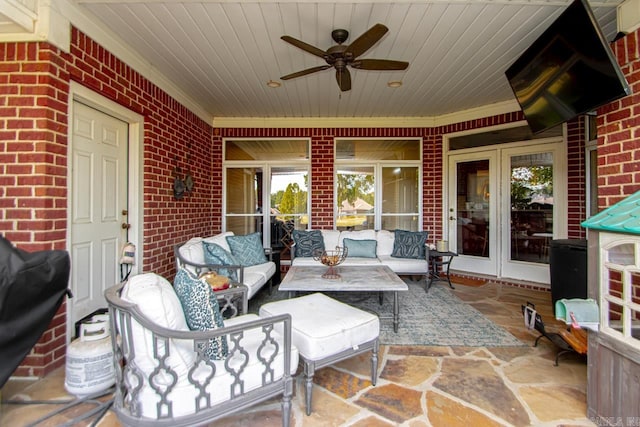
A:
x: 266, y: 189
x: 620, y: 289
x: 378, y: 184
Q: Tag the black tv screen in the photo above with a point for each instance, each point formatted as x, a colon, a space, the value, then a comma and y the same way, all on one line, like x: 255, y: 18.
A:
x: 568, y: 71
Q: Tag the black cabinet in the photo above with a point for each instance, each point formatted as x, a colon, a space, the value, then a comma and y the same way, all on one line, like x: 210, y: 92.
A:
x: 568, y: 269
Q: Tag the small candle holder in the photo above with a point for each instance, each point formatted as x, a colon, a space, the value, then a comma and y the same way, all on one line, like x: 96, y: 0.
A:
x: 331, y: 259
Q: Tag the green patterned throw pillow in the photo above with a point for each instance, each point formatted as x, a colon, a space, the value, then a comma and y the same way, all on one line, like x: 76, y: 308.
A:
x: 409, y: 244
x: 247, y: 249
x: 307, y: 242
x: 201, y: 311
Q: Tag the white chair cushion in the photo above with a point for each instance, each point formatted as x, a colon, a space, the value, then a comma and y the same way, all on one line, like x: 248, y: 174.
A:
x: 322, y: 326
x: 157, y: 300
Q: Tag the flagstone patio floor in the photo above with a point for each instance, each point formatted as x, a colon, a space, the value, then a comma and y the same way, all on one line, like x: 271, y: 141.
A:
x: 417, y: 385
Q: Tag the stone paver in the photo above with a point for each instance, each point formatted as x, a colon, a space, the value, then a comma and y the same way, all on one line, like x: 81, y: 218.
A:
x: 476, y: 382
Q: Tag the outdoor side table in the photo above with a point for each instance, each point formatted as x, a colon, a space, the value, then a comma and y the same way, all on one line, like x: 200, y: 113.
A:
x: 440, y: 263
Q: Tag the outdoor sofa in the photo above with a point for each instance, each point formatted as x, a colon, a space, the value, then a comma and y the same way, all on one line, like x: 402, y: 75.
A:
x: 241, y: 258
x: 404, y: 252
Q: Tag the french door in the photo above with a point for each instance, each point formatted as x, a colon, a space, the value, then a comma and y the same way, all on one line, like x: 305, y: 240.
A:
x: 471, y: 214
x: 504, y: 206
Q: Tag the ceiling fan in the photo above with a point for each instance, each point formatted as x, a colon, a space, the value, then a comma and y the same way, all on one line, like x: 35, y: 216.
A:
x: 339, y: 56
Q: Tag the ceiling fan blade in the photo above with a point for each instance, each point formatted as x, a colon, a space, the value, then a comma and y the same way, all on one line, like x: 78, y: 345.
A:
x: 305, y: 72
x: 305, y: 46
x: 343, y: 77
x: 379, y: 64
x: 365, y: 41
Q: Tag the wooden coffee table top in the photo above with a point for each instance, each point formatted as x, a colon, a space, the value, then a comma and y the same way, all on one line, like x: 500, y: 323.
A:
x: 352, y: 278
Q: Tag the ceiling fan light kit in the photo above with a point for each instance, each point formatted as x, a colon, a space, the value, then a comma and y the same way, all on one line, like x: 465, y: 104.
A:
x: 341, y: 56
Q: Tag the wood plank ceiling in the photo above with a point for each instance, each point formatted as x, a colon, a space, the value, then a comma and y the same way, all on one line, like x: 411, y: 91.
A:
x: 222, y: 53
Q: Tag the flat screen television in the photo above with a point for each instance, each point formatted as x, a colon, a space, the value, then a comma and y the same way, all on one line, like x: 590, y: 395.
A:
x: 568, y: 71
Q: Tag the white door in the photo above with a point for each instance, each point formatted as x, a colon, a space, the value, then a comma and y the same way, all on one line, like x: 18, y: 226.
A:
x: 98, y: 206
x: 471, y: 212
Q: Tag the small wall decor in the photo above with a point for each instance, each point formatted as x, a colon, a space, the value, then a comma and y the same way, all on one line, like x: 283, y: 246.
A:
x: 178, y: 183
x: 188, y: 179
x: 182, y: 184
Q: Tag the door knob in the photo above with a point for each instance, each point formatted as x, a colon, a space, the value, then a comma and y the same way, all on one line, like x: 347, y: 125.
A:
x: 126, y: 226
x: 452, y: 218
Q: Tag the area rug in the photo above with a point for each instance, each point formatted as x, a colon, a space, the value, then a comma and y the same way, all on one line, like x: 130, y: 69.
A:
x: 434, y: 318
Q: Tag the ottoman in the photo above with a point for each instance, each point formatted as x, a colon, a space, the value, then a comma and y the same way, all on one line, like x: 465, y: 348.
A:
x: 326, y: 331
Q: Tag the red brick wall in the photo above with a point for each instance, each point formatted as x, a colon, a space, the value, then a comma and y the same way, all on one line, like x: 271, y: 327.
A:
x: 619, y: 131
x: 576, y: 178
x: 34, y: 95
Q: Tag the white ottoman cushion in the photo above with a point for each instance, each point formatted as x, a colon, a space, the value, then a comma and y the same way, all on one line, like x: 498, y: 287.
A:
x: 322, y: 326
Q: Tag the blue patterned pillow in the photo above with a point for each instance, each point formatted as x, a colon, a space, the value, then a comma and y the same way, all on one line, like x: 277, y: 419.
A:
x: 201, y: 310
x: 360, y: 248
x: 307, y: 242
x: 247, y: 249
x: 409, y: 244
x: 216, y: 254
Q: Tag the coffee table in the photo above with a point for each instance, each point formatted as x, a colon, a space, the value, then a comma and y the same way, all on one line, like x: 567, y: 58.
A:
x: 370, y: 278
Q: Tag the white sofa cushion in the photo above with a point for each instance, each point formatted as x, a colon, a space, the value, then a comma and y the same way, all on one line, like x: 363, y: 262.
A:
x: 220, y: 240
x: 357, y: 235
x: 385, y: 242
x: 322, y: 326
x: 193, y: 251
x: 405, y: 265
x: 331, y: 239
x: 257, y: 275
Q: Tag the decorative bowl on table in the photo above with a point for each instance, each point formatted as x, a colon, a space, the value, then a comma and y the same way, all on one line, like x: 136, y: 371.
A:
x: 331, y: 259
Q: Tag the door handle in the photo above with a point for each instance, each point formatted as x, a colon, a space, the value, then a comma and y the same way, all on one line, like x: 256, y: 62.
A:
x: 126, y: 226
x: 452, y: 218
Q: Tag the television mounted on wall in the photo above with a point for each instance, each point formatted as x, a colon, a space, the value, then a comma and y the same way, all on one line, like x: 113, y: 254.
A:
x: 568, y: 71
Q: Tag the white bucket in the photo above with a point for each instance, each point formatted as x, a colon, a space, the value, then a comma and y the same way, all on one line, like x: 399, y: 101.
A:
x: 89, y: 367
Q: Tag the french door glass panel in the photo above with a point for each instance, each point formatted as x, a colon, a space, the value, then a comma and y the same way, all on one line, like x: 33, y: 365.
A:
x: 289, y: 197
x: 531, y: 207
x: 471, y: 211
x: 473, y: 221
x: 533, y: 183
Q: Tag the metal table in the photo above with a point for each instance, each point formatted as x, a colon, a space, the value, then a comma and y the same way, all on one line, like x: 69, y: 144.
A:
x: 440, y: 263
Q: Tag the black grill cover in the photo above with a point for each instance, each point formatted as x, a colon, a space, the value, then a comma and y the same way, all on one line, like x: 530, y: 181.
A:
x: 32, y: 288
